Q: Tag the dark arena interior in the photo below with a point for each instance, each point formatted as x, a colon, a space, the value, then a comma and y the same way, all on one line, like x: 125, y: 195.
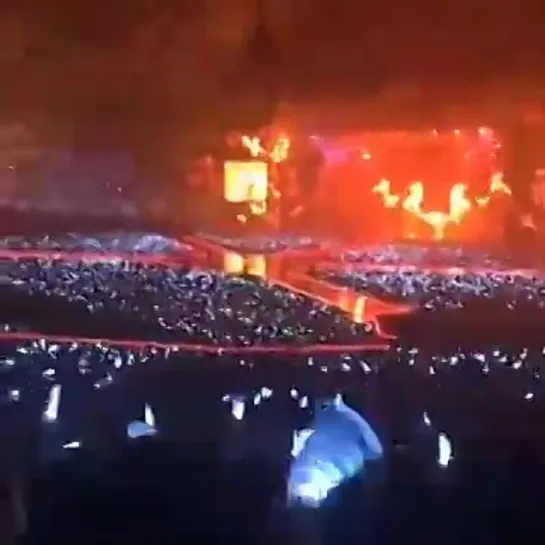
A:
x: 322, y: 328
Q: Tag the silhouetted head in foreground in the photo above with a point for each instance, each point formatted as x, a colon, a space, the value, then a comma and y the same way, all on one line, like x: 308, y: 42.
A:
x: 153, y: 492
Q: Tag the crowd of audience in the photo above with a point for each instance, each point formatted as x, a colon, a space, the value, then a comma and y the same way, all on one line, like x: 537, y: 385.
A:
x: 440, y: 290
x: 133, y: 243
x: 458, y: 425
x: 457, y: 298
x: 94, y: 480
x: 137, y: 300
x: 415, y: 254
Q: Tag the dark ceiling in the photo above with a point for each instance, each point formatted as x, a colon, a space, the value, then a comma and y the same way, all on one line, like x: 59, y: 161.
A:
x: 147, y: 67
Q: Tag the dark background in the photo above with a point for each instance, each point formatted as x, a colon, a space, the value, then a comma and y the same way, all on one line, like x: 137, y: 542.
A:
x: 157, y: 77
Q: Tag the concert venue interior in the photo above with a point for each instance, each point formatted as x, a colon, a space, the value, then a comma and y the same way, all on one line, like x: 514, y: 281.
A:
x: 362, y: 308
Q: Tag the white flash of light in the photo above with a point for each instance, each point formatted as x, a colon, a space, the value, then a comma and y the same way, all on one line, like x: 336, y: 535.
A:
x: 149, y: 416
x: 299, y: 441
x: 444, y: 448
x: 238, y: 408
x: 51, y: 411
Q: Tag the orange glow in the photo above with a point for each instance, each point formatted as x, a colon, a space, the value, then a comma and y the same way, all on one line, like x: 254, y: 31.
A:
x: 253, y: 144
x: 361, y: 308
x: 279, y: 150
x: 358, y: 312
x: 233, y: 263
x: 256, y: 265
x: 459, y: 203
x: 247, y: 181
x: 383, y: 188
x: 250, y: 181
x: 497, y: 185
x: 258, y: 207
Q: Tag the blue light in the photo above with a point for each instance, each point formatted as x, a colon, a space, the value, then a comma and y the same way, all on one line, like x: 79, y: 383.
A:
x: 333, y: 450
x: 138, y: 428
